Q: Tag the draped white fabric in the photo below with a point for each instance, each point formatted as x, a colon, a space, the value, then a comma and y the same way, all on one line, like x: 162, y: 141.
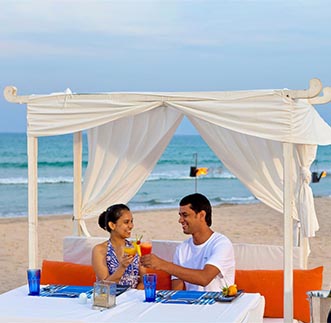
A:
x: 129, y: 131
x: 256, y: 162
x: 309, y: 223
x: 264, y: 114
x: 121, y: 156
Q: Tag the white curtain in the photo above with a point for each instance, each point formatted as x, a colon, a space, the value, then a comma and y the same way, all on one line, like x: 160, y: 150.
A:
x: 245, y: 129
x: 122, y: 154
x: 269, y: 116
x: 256, y: 162
x: 307, y: 215
x: 57, y: 115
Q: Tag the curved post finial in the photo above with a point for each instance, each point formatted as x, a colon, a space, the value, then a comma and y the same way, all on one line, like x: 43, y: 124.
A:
x: 10, y: 94
x: 315, y: 88
x: 325, y: 98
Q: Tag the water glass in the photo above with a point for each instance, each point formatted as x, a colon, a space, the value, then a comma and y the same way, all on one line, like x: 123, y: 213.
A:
x: 34, y: 281
x: 150, y: 287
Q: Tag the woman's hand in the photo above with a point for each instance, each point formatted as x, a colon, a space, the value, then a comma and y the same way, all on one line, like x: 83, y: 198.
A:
x: 126, y: 260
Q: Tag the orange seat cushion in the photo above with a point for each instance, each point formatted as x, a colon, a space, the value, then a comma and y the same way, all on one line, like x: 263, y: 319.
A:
x: 269, y: 283
x: 163, y: 279
x: 66, y: 273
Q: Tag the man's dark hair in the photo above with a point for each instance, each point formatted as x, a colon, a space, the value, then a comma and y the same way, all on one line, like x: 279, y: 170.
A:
x: 198, y: 202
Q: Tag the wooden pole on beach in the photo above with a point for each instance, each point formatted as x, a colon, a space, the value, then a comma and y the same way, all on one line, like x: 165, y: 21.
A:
x: 288, y: 231
x: 77, y: 203
x: 33, y: 200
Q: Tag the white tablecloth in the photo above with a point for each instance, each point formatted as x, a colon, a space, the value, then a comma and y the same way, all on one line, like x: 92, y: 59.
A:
x: 17, y: 306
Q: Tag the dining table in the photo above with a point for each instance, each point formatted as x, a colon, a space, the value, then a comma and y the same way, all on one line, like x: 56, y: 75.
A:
x: 17, y: 306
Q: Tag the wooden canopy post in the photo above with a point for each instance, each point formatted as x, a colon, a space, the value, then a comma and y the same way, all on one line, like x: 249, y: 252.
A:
x: 77, y: 190
x: 288, y: 231
x: 32, y: 144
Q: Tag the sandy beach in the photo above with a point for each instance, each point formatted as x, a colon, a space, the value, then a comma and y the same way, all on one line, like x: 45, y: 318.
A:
x: 253, y: 223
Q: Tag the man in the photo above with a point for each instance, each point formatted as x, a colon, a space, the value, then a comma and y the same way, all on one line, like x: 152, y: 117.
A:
x: 205, y: 261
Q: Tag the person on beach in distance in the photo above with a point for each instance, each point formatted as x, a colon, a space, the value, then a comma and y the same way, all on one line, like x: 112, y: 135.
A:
x: 206, y: 260
x: 108, y: 258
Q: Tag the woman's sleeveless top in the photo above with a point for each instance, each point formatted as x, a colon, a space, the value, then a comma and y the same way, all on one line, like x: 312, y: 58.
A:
x: 131, y: 274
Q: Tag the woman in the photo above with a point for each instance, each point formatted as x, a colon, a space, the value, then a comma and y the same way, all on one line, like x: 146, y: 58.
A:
x: 108, y: 258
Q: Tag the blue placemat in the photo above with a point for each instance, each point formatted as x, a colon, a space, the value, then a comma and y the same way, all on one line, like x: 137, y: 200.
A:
x: 180, y: 297
x: 70, y: 291
x: 187, y: 294
x: 65, y: 291
x: 193, y: 297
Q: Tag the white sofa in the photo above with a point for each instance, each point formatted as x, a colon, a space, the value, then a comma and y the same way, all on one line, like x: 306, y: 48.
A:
x: 78, y: 249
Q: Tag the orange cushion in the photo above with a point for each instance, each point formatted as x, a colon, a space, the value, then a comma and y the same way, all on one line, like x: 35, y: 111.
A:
x: 163, y: 279
x: 269, y: 283
x: 66, y: 273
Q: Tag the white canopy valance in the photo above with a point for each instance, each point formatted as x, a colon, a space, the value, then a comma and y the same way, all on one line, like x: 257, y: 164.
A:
x: 264, y: 114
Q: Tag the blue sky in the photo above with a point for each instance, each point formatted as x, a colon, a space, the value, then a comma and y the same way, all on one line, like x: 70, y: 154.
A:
x: 104, y: 46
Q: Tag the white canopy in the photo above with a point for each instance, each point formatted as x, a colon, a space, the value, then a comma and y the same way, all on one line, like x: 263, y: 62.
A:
x: 268, y: 139
x: 128, y: 132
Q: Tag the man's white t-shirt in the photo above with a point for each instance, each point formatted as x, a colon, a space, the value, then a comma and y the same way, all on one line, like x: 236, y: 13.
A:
x: 216, y: 251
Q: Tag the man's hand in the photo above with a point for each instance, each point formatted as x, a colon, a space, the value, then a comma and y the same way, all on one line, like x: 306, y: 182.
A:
x: 200, y: 277
x: 152, y: 261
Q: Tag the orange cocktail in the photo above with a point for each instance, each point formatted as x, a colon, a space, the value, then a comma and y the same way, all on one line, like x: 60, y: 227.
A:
x: 146, y: 247
x: 130, y: 250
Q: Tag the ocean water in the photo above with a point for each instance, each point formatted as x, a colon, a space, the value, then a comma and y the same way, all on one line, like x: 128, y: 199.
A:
x: 166, y: 185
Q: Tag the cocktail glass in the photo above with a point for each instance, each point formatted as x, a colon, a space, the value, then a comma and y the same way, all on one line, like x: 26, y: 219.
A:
x: 130, y: 250
x: 146, y: 247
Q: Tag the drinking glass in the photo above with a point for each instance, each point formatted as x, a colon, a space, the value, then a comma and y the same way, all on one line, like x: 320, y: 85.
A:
x: 34, y: 281
x: 150, y: 287
x: 146, y: 247
x: 130, y: 250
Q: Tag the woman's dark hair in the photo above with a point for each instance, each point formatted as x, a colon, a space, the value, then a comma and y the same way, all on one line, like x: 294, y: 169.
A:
x: 113, y: 213
x: 198, y: 202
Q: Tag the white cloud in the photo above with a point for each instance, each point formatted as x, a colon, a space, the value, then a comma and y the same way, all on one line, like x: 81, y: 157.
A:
x: 67, y: 27
x: 120, y: 17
